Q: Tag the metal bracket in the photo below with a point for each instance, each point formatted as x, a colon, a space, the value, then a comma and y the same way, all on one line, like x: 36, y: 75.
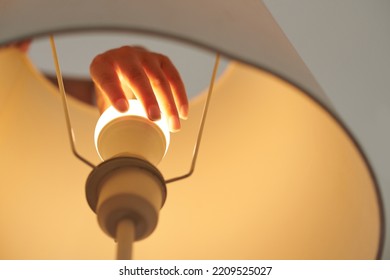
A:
x: 61, y: 87
x: 203, y: 121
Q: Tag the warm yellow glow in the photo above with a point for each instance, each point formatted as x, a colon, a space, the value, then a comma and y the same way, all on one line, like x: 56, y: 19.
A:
x: 277, y: 177
x: 131, y: 134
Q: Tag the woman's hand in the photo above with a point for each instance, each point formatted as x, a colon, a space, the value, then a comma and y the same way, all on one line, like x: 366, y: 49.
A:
x: 21, y: 45
x: 152, y: 78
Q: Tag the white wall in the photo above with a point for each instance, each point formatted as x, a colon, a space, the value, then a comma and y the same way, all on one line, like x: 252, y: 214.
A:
x: 346, y: 45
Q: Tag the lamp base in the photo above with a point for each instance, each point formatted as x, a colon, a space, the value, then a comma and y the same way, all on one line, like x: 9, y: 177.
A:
x: 126, y: 189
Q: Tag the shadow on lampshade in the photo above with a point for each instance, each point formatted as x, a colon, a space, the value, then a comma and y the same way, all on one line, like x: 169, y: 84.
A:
x: 279, y: 176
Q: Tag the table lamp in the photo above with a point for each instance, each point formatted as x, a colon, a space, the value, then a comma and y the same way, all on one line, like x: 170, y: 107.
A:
x: 278, y: 176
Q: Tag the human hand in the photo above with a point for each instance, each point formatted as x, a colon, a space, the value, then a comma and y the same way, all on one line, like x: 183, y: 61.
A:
x: 152, y: 78
x: 21, y: 45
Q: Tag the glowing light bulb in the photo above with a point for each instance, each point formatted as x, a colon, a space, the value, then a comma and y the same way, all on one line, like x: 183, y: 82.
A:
x: 131, y: 134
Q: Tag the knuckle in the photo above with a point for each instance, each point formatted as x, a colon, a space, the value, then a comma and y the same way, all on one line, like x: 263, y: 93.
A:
x: 137, y: 75
x: 175, y: 80
x: 159, y: 81
x: 106, y: 80
x: 164, y: 60
x: 125, y: 49
x: 100, y: 62
x: 96, y: 61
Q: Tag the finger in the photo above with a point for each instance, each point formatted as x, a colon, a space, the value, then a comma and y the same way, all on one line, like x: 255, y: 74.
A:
x: 177, y: 85
x: 162, y: 90
x: 24, y: 46
x: 133, y: 73
x: 102, y: 100
x: 104, y: 75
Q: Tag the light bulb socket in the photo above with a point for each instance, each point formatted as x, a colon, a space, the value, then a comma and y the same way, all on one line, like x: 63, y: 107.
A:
x: 126, y: 188
x: 131, y: 134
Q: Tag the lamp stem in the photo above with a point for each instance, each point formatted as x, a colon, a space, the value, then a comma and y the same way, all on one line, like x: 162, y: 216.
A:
x: 125, y: 235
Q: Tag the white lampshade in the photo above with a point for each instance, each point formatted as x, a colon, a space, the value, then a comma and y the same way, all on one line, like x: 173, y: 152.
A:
x: 279, y: 176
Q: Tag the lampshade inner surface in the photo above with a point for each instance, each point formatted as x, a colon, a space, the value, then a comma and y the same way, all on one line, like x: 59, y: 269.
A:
x: 277, y: 178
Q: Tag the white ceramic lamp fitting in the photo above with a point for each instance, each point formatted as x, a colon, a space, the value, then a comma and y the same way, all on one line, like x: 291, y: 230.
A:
x: 131, y: 134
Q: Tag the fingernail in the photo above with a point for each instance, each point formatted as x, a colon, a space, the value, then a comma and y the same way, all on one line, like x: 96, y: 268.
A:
x: 121, y: 105
x: 183, y: 111
x: 154, y: 113
x: 174, y: 123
